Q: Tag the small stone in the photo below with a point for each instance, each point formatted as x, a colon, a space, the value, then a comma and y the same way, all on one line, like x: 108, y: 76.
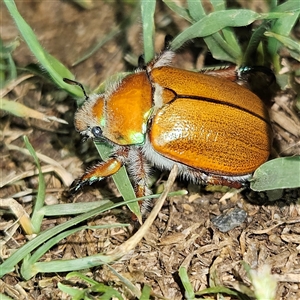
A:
x: 230, y: 220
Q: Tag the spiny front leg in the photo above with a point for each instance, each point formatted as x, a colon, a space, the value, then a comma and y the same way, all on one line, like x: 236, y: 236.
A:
x: 97, y: 173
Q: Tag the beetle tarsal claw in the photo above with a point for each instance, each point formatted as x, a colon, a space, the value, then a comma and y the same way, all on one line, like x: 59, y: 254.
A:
x: 76, y: 186
x: 79, y: 183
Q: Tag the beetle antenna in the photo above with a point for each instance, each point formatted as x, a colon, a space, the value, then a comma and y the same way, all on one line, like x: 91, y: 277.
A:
x: 168, y: 40
x: 73, y: 82
x: 141, y: 61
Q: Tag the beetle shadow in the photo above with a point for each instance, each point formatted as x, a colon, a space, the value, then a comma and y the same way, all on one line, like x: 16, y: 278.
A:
x: 279, y: 198
x: 263, y: 85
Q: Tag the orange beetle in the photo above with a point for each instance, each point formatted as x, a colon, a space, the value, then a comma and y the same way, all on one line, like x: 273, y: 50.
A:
x: 215, y: 130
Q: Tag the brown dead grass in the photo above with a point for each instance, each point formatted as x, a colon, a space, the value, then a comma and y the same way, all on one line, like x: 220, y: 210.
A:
x: 183, y: 233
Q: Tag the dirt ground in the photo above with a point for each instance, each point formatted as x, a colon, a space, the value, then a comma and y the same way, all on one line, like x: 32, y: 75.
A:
x: 184, y: 232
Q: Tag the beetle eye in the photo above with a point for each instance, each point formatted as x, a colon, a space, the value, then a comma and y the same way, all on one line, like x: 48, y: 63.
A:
x: 96, y: 131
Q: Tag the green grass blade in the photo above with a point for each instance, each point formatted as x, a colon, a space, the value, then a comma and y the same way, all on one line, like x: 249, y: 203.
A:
x: 188, y: 288
x: 180, y: 11
x: 147, y: 11
x: 218, y: 20
x: 75, y: 293
x: 146, y: 293
x: 56, y: 69
x: 53, y: 241
x: 285, y: 40
x: 196, y: 10
x: 218, y: 4
x: 221, y: 290
x: 28, y: 268
x: 19, y: 109
x: 227, y: 32
x: 82, y: 277
x: 106, y: 291
x: 37, y: 216
x: 288, y: 6
x: 255, y: 39
x: 221, y: 49
x: 231, y: 40
x: 69, y: 209
x: 282, y: 27
x: 4, y: 297
x: 8, y: 265
x: 134, y: 290
x: 121, y: 180
x: 226, y: 48
x: 8, y: 70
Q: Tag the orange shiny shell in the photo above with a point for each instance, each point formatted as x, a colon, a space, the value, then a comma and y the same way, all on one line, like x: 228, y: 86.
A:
x: 98, y: 109
x: 210, y: 123
x: 127, y: 110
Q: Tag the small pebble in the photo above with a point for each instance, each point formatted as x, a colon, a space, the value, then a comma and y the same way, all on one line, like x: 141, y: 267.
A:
x: 230, y: 220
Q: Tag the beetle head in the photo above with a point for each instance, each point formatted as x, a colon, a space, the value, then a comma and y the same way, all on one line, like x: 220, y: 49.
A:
x: 89, y: 118
x: 119, y: 115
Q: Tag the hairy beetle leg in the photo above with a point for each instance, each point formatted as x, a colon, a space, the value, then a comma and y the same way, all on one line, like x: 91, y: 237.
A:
x: 214, y: 180
x: 229, y: 72
x: 97, y: 173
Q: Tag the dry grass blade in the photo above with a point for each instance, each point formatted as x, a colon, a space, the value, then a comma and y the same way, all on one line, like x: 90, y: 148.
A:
x: 20, y: 213
x: 45, y: 169
x: 13, y: 84
x: 131, y: 243
x: 54, y: 166
x: 23, y: 111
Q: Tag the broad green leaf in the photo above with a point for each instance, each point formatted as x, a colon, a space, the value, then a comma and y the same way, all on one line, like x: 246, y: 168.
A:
x: 279, y: 173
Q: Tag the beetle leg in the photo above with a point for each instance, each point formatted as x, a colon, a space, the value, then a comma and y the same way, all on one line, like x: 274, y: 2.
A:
x: 97, y: 173
x: 224, y: 182
x: 240, y: 74
x: 229, y: 72
x: 236, y: 182
x: 139, y: 170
